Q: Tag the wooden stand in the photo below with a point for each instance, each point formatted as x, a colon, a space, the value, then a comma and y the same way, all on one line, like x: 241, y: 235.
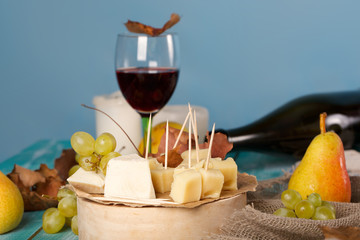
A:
x: 99, y: 221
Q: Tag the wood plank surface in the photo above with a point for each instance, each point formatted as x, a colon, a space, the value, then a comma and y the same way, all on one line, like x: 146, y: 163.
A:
x: 44, y: 151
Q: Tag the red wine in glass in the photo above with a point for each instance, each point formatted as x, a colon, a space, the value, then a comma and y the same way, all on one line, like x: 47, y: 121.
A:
x: 147, y: 89
x: 147, y: 69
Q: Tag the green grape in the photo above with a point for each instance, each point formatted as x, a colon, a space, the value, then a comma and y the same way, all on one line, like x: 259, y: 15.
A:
x: 285, y: 212
x: 323, y: 213
x: 48, y: 211
x: 329, y: 205
x: 105, y: 159
x: 74, y: 225
x: 73, y: 169
x: 83, y: 143
x: 67, y: 206
x: 315, y: 198
x: 88, y: 163
x: 105, y: 144
x: 304, y: 209
x: 290, y: 198
x: 64, y: 192
x: 53, y: 221
x: 77, y: 157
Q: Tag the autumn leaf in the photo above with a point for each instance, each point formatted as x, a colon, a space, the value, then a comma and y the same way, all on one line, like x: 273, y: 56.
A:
x: 137, y: 27
x: 34, y: 184
x: 341, y: 233
x: 27, y: 176
x: 65, y: 162
x: 174, y: 158
x: 182, y: 145
x: 221, y: 146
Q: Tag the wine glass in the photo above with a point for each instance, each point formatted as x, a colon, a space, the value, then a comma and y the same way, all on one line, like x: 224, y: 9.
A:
x: 147, y: 70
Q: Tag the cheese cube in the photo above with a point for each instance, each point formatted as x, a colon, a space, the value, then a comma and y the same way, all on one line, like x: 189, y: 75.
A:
x: 162, y: 179
x: 154, y: 164
x: 202, y: 155
x: 229, y: 169
x: 87, y: 181
x: 212, y: 183
x: 129, y: 176
x: 186, y: 186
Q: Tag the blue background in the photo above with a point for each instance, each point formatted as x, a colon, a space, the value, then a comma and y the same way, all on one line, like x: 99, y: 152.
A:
x: 240, y: 59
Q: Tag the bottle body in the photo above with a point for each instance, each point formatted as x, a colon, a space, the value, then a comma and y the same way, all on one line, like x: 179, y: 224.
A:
x: 290, y: 128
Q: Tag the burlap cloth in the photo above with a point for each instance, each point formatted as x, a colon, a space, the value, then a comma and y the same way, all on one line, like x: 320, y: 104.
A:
x: 256, y: 220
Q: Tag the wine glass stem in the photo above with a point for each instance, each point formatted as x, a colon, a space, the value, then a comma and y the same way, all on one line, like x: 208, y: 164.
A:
x: 145, y: 125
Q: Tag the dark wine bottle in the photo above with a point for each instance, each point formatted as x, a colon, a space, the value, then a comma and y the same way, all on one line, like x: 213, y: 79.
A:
x: 290, y: 128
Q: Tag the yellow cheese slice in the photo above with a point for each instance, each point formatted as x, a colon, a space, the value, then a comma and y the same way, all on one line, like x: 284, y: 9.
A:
x: 186, y: 186
x: 229, y: 169
x: 212, y: 183
x: 162, y: 179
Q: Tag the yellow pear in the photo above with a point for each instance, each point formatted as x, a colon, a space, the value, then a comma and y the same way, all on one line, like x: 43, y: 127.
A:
x: 322, y: 169
x: 11, y: 205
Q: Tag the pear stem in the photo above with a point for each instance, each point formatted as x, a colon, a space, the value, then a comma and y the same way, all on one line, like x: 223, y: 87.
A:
x: 322, y: 122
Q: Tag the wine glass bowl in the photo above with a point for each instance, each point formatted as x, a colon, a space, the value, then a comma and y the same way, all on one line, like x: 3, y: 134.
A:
x: 147, y: 71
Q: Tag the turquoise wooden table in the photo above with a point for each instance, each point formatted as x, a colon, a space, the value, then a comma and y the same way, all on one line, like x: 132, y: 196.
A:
x: 45, y: 151
x: 263, y: 166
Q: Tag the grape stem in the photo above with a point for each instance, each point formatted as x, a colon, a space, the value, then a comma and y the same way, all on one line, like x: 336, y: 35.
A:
x: 116, y: 124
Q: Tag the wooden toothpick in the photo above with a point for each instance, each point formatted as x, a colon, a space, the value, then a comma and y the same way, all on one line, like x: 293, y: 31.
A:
x: 148, y: 138
x: 181, y: 130
x: 196, y: 138
x: 189, y: 144
x: 210, y: 146
x: 195, y: 133
x: 167, y: 143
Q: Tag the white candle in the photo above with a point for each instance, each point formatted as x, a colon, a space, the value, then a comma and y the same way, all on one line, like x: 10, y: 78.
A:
x: 116, y: 106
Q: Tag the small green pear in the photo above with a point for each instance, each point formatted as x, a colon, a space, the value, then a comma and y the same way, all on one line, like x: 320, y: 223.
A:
x: 323, y: 169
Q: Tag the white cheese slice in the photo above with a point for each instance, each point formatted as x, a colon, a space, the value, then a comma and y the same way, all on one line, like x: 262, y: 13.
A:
x: 87, y: 181
x: 129, y: 176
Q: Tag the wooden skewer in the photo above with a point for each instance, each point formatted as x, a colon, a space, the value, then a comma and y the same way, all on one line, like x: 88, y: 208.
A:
x: 167, y: 143
x: 189, y: 164
x: 196, y: 138
x: 148, y: 138
x: 195, y: 133
x: 181, y: 131
x: 210, y: 146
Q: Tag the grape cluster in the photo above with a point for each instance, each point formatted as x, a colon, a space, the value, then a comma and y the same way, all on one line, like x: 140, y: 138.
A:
x: 54, y: 219
x: 311, y: 208
x: 91, y: 154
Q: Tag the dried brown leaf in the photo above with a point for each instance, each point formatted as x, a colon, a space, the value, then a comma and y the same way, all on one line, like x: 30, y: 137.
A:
x: 35, y: 202
x: 182, y: 145
x: 32, y: 184
x: 221, y: 146
x: 27, y: 177
x: 65, y: 162
x: 341, y: 233
x: 137, y: 27
x: 47, y: 172
x: 50, y: 187
x: 174, y: 158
